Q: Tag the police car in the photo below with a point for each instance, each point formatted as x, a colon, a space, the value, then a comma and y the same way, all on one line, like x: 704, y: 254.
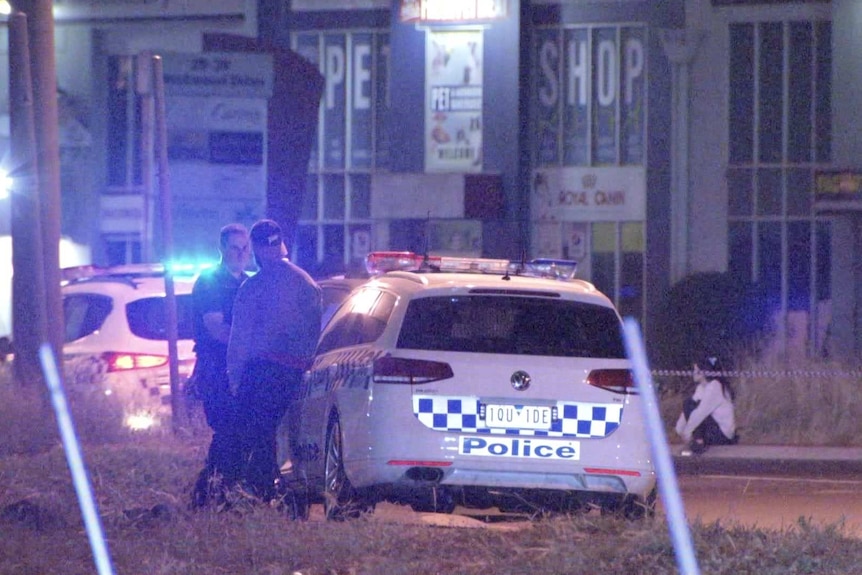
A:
x: 116, y: 349
x: 474, y: 382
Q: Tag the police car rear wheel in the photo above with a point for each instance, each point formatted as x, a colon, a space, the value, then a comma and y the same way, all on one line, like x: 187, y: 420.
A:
x: 435, y: 500
x: 340, y: 500
x: 632, y: 507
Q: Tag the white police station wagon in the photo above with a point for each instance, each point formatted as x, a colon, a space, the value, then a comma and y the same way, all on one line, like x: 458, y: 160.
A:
x: 473, y: 382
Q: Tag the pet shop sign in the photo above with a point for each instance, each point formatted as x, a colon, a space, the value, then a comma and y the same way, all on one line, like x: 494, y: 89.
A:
x: 453, y: 109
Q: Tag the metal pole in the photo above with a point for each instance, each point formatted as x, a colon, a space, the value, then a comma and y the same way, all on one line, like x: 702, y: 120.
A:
x: 677, y: 523
x: 161, y: 140
x: 144, y: 88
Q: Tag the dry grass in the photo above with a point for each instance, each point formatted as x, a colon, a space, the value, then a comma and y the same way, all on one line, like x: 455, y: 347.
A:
x: 142, y: 483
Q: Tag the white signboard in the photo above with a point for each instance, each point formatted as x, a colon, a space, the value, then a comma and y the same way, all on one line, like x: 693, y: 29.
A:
x: 314, y: 5
x: 217, y: 146
x: 216, y: 107
x: 121, y: 213
x: 452, y: 10
x: 128, y: 9
x: 218, y: 73
x: 453, y: 96
x: 589, y: 194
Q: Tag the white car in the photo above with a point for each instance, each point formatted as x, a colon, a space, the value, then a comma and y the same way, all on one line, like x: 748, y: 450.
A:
x: 472, y: 382
x: 116, y: 340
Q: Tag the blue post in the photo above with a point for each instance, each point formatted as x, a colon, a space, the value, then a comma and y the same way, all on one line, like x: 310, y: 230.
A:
x: 676, y: 521
x: 76, y: 462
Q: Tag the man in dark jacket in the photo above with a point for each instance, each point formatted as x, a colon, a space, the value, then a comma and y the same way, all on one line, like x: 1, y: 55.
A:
x: 212, y: 296
x: 276, y: 323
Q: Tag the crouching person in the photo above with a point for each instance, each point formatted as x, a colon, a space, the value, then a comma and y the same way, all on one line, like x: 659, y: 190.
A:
x: 708, y: 416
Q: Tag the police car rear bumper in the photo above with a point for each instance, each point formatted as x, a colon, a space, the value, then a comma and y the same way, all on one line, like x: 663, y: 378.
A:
x: 621, y: 481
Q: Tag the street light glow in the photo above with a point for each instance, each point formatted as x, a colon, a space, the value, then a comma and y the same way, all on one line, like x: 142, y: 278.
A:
x: 5, y: 184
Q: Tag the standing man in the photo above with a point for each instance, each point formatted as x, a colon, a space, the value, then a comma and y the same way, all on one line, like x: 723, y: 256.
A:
x: 276, y: 325
x: 212, y: 300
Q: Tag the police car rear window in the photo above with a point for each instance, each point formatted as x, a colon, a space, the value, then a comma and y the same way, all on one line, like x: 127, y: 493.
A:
x: 512, y: 325
x: 147, y: 317
x: 84, y: 314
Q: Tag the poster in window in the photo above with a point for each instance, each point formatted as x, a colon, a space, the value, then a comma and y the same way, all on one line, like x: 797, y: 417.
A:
x: 547, y: 240
x: 382, y: 100
x: 633, y: 97
x: 455, y: 238
x: 547, y: 97
x: 453, y: 114
x: 361, y: 97
x: 334, y: 100
x: 576, y: 101
x: 575, y: 240
x: 605, y: 93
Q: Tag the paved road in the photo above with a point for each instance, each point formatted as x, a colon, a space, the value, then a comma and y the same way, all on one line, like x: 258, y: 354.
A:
x: 771, y: 501
x: 773, y: 486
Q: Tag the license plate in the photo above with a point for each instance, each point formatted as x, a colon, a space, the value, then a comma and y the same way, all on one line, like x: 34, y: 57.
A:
x: 518, y: 416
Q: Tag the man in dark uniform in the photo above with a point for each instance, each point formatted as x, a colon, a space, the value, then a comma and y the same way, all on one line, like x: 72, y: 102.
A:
x: 276, y: 324
x: 212, y: 296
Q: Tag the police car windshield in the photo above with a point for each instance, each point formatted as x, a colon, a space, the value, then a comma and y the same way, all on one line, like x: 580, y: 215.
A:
x: 512, y: 325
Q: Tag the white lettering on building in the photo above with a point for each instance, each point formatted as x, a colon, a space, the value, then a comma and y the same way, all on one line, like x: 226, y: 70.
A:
x: 361, y: 77
x: 605, y: 71
x: 334, y: 73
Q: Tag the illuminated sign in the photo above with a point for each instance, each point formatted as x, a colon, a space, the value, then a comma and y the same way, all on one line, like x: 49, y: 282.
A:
x: 763, y: 2
x: 454, y: 95
x: 838, y: 185
x: 452, y: 10
x: 321, y: 5
x: 131, y: 9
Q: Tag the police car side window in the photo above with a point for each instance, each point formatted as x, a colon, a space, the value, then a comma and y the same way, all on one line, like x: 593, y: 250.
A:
x: 148, y: 317
x: 360, y: 320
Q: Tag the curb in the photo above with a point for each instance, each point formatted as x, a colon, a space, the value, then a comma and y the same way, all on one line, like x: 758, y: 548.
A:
x: 810, y: 462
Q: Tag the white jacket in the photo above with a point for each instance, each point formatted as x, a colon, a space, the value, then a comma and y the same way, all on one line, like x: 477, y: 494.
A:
x: 713, y: 402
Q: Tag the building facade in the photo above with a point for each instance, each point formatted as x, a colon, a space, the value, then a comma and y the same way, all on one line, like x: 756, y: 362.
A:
x: 647, y: 140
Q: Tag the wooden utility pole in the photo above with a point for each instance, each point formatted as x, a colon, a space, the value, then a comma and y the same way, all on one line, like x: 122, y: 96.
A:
x: 29, y: 323
x: 40, y: 27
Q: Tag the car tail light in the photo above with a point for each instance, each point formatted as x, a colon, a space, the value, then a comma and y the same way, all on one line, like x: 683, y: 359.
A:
x: 410, y: 371
x: 615, y: 380
x: 118, y: 361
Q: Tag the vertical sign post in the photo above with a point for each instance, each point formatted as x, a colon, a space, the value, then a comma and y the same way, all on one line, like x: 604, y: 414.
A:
x: 161, y: 139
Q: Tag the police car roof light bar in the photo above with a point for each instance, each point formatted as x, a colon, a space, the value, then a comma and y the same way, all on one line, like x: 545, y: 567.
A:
x: 552, y: 268
x: 386, y: 261
x: 178, y: 268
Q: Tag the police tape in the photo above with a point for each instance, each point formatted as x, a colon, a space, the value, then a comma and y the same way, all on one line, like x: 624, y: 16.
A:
x: 789, y: 373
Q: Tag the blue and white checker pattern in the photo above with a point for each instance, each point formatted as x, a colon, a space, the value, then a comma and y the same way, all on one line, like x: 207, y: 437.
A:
x: 462, y: 414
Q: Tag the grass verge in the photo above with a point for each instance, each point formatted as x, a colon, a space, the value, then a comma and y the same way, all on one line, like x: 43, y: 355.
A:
x: 142, y: 482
